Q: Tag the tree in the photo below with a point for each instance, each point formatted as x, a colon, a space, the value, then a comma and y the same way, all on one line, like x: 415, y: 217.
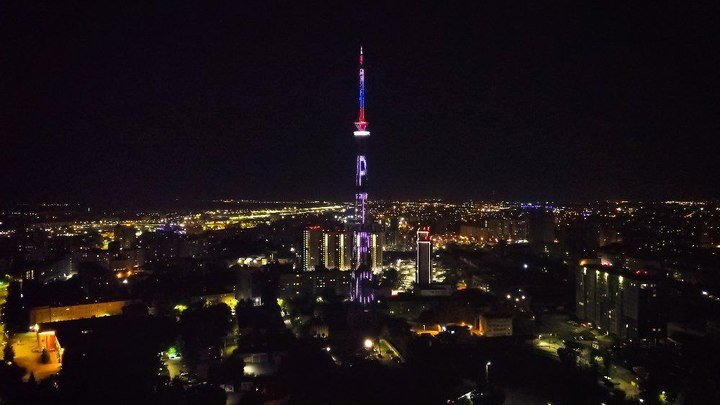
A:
x: 133, y: 377
x: 8, y: 353
x: 231, y: 370
x: 391, y: 278
x: 567, y: 356
x: 11, y: 384
x: 15, y: 313
x: 202, y: 327
x: 44, y: 356
x: 572, y: 345
x: 607, y: 362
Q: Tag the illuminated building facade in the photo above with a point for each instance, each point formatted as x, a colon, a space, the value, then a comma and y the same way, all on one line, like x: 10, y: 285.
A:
x: 362, y: 281
x: 47, y: 314
x: 376, y: 249
x: 337, y: 250
x: 423, y: 262
x: 312, y: 248
x: 314, y: 283
x: 334, y: 249
x: 494, y: 230
x: 495, y: 325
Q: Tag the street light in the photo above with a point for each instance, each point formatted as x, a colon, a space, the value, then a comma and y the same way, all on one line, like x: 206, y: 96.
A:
x: 368, y: 344
x: 487, y: 372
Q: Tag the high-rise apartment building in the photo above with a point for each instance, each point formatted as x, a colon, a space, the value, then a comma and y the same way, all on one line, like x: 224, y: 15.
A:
x: 423, y: 269
x: 312, y: 248
x: 376, y: 251
x: 333, y: 249
x: 628, y: 304
x: 337, y: 250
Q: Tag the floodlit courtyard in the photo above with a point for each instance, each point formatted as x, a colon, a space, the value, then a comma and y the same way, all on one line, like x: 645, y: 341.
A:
x: 28, y: 356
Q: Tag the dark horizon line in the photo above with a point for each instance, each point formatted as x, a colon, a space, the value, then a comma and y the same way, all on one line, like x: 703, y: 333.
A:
x: 178, y: 203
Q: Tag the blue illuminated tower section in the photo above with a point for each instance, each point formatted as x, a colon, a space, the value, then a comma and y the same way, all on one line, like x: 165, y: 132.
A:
x: 362, y: 288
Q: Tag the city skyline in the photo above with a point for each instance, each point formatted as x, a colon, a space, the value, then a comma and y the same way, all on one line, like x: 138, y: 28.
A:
x: 575, y: 105
x: 192, y: 209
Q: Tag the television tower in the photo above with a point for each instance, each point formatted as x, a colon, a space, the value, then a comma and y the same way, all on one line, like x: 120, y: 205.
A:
x: 362, y: 288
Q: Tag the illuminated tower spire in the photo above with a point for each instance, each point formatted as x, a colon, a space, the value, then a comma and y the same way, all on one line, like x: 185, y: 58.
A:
x: 360, y: 135
x: 362, y: 289
x: 361, y: 124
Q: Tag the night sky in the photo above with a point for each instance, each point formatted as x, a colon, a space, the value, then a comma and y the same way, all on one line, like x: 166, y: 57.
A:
x: 114, y: 103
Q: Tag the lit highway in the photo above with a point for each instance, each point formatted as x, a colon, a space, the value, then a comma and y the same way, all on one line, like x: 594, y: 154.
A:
x: 3, y: 297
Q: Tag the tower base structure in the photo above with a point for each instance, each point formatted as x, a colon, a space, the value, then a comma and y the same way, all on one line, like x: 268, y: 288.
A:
x: 363, y: 289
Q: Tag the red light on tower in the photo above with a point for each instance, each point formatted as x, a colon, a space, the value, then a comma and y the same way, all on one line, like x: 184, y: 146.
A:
x: 423, y: 234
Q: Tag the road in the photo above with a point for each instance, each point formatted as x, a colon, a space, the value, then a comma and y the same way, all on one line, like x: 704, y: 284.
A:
x: 174, y: 366
x: 388, y: 351
x: 3, y: 297
x: 556, y: 328
x: 548, y: 345
x: 626, y: 380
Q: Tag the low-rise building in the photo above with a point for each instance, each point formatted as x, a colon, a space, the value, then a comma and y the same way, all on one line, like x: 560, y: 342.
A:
x: 495, y: 324
x: 48, y: 314
x: 314, y: 283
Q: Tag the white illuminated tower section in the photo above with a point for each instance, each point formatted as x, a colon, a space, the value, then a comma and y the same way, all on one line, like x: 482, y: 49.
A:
x: 423, y: 272
x: 362, y: 290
